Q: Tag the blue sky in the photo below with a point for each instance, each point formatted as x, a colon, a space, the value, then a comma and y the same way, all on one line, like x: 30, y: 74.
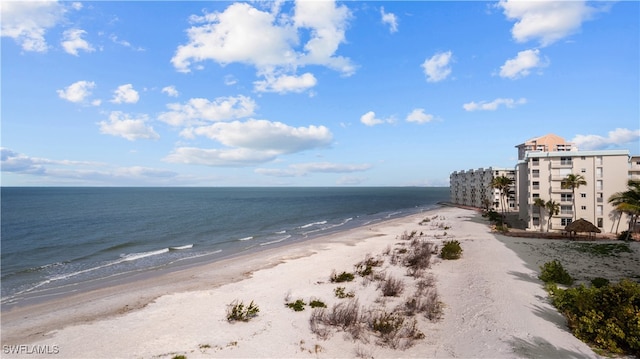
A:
x: 307, y: 93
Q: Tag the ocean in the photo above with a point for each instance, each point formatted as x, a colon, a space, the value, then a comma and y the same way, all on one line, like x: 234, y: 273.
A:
x: 54, y: 240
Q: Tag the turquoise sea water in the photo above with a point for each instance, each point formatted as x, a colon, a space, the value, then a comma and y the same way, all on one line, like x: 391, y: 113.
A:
x: 57, y: 239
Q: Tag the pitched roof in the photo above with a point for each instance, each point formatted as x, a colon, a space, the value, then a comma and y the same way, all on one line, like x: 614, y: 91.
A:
x: 582, y: 225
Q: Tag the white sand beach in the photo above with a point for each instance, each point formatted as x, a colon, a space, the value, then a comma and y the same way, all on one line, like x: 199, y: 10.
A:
x: 493, y: 305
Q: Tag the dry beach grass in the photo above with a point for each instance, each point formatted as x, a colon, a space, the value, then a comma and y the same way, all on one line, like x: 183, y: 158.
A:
x: 487, y: 304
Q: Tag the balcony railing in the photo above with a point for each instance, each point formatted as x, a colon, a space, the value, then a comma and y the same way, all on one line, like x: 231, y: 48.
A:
x: 561, y: 164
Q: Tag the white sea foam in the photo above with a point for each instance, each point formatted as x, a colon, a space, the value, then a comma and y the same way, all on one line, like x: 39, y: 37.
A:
x: 246, y: 238
x: 186, y: 246
x: 275, y: 241
x: 134, y: 256
x: 313, y: 224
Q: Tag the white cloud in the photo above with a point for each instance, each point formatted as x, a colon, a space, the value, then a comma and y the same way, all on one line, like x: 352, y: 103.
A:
x: 27, y: 22
x: 546, y: 21
x: 77, y: 92
x: 125, y: 94
x: 122, y: 125
x: 493, y: 105
x: 437, y: 67
x: 73, y: 41
x: 419, y: 116
x: 616, y: 138
x: 370, y: 119
x: 170, y: 91
x: 521, y: 65
x: 286, y: 83
x: 250, y: 142
x: 124, y: 43
x: 198, y: 111
x: 269, y: 41
x: 263, y: 135
x: 389, y: 19
x: 83, y: 172
x: 237, y: 157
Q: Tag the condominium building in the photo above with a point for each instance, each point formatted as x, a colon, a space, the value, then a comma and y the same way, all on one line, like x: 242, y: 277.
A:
x: 544, y: 162
x: 473, y: 188
x: 540, y: 175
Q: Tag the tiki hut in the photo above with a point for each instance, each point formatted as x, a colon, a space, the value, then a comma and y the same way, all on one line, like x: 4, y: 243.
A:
x: 583, y: 226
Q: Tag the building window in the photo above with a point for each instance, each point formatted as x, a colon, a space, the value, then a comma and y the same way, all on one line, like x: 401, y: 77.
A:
x: 583, y: 195
x: 565, y: 161
x: 566, y: 197
x: 535, y: 173
x: 536, y: 185
x: 600, y: 223
x: 535, y: 161
x: 599, y: 172
x: 599, y: 160
x: 566, y: 210
x: 599, y: 185
x: 600, y: 198
x: 583, y: 170
x: 584, y: 208
x: 599, y: 210
x: 565, y: 221
x: 536, y: 221
x: 535, y: 195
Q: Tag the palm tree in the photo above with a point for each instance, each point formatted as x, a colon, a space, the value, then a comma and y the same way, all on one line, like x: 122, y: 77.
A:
x: 573, y: 181
x: 502, y: 184
x: 628, y: 202
x: 553, y: 208
x: 540, y: 203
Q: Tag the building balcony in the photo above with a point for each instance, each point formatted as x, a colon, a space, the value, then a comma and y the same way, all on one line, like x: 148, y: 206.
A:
x: 560, y: 190
x: 561, y: 164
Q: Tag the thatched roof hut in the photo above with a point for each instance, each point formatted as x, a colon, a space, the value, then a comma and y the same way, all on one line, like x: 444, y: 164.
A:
x: 582, y: 225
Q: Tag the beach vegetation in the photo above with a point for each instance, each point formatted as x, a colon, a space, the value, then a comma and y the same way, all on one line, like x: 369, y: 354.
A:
x: 342, y: 277
x: 599, y: 282
x: 554, y: 272
x: 418, y: 258
x: 451, y: 249
x: 553, y: 209
x: 238, y: 311
x: 628, y: 202
x: 297, y: 306
x: 317, y: 304
x: 365, y: 267
x: 179, y: 357
x: 624, y: 236
x: 503, y: 185
x: 602, y: 249
x: 394, y: 330
x: 391, y: 287
x: 405, y: 236
x: 341, y: 293
x: 606, y: 316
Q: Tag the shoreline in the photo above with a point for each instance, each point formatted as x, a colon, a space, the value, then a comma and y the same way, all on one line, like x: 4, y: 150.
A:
x: 140, y: 289
x: 493, y: 305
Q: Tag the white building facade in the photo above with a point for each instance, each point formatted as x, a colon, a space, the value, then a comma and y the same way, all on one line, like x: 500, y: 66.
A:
x: 540, y: 175
x: 473, y: 188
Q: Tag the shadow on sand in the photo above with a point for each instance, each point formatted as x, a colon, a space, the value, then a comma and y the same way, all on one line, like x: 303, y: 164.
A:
x: 540, y: 348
